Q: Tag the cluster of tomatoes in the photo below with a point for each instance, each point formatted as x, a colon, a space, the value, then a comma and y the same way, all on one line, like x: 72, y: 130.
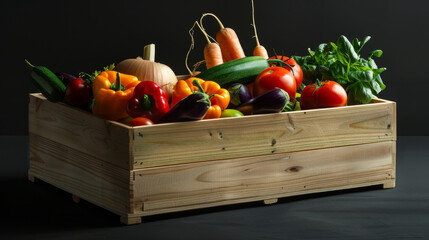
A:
x: 290, y: 77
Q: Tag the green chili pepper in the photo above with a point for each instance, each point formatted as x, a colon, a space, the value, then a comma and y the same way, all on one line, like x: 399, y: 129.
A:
x: 47, y: 83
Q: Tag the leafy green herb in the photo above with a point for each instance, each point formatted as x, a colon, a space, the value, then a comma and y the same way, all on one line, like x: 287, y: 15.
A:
x: 341, y: 62
x: 107, y: 68
x: 89, y: 78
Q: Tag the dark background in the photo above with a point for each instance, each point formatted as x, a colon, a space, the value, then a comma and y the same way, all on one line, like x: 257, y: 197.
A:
x: 83, y: 36
x: 76, y: 36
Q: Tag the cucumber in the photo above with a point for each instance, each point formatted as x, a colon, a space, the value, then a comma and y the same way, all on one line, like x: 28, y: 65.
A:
x: 47, y: 83
x: 242, y: 70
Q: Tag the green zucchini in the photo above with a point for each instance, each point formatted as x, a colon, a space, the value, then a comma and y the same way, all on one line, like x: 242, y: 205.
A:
x: 47, y: 83
x: 242, y: 70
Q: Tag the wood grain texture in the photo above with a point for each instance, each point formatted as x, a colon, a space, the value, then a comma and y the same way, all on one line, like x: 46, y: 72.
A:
x: 80, y: 130
x: 271, y: 201
x: 213, y: 183
x: 129, y: 220
x: 80, y: 174
x: 216, y: 139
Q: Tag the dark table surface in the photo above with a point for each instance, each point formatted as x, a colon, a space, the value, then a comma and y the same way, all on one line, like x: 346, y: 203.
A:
x: 41, y: 211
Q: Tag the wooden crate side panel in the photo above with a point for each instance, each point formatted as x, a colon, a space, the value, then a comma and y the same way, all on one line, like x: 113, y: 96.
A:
x: 80, y: 174
x: 174, y: 143
x: 80, y: 130
x: 212, y: 183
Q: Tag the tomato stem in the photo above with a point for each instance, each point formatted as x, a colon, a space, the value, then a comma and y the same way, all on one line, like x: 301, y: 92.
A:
x: 281, y: 62
x: 318, y: 85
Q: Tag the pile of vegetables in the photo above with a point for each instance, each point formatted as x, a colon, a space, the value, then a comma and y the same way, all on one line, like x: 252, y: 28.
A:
x: 141, y: 91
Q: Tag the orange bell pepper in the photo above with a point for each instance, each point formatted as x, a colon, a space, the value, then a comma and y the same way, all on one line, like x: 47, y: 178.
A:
x: 219, y: 97
x: 111, y: 91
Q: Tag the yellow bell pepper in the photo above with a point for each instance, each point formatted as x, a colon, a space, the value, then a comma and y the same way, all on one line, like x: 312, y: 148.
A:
x: 111, y: 91
x: 219, y: 97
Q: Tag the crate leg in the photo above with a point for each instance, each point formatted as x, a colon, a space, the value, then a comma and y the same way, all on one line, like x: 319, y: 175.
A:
x: 75, y: 198
x: 270, y: 201
x: 131, y: 220
x: 389, y: 184
x: 31, y: 178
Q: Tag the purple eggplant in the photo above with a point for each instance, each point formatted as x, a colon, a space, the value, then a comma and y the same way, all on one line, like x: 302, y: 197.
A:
x: 272, y: 101
x: 191, y: 108
x: 65, y: 77
x: 239, y: 94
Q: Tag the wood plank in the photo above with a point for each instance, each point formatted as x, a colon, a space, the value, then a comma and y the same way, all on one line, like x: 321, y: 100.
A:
x: 82, y: 175
x: 31, y: 178
x: 216, y: 139
x: 389, y: 184
x: 80, y: 130
x: 213, y: 183
x: 129, y: 220
x: 271, y: 201
x: 75, y: 198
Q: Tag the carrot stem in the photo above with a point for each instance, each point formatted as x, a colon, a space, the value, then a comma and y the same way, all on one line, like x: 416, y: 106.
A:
x: 191, y: 33
x: 254, y: 25
x: 212, y: 15
x: 203, y: 31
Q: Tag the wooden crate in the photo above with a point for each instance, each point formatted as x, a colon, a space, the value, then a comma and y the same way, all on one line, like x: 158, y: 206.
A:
x: 135, y: 172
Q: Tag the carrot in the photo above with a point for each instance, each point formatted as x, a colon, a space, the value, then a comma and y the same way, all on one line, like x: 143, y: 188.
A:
x: 212, y: 52
x: 228, y: 41
x: 259, y: 50
x: 212, y: 55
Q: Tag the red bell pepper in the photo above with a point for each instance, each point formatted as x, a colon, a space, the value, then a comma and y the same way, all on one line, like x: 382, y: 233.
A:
x: 149, y: 101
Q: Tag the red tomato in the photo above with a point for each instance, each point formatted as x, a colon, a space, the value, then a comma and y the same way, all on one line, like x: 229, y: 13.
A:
x: 140, y: 121
x: 322, y: 95
x: 297, y: 71
x: 78, y: 93
x: 272, y: 78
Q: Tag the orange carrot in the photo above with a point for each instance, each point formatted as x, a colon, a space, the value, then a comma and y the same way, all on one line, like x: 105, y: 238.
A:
x: 259, y: 50
x: 212, y: 52
x: 227, y: 40
x: 212, y: 55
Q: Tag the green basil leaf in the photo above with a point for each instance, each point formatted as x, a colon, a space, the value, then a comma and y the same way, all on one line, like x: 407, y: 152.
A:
x: 333, y: 47
x: 364, y: 76
x: 375, y: 87
x: 380, y: 82
x: 360, y: 66
x: 362, y: 43
x: 331, y: 61
x: 339, y: 69
x: 321, y: 48
x: 343, y: 58
x: 346, y: 49
x: 356, y: 44
x: 372, y: 64
x: 376, y: 53
x: 378, y: 71
x: 361, y: 93
x: 312, y: 67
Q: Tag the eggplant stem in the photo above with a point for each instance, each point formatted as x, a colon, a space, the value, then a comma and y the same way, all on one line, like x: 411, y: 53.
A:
x: 198, y: 85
